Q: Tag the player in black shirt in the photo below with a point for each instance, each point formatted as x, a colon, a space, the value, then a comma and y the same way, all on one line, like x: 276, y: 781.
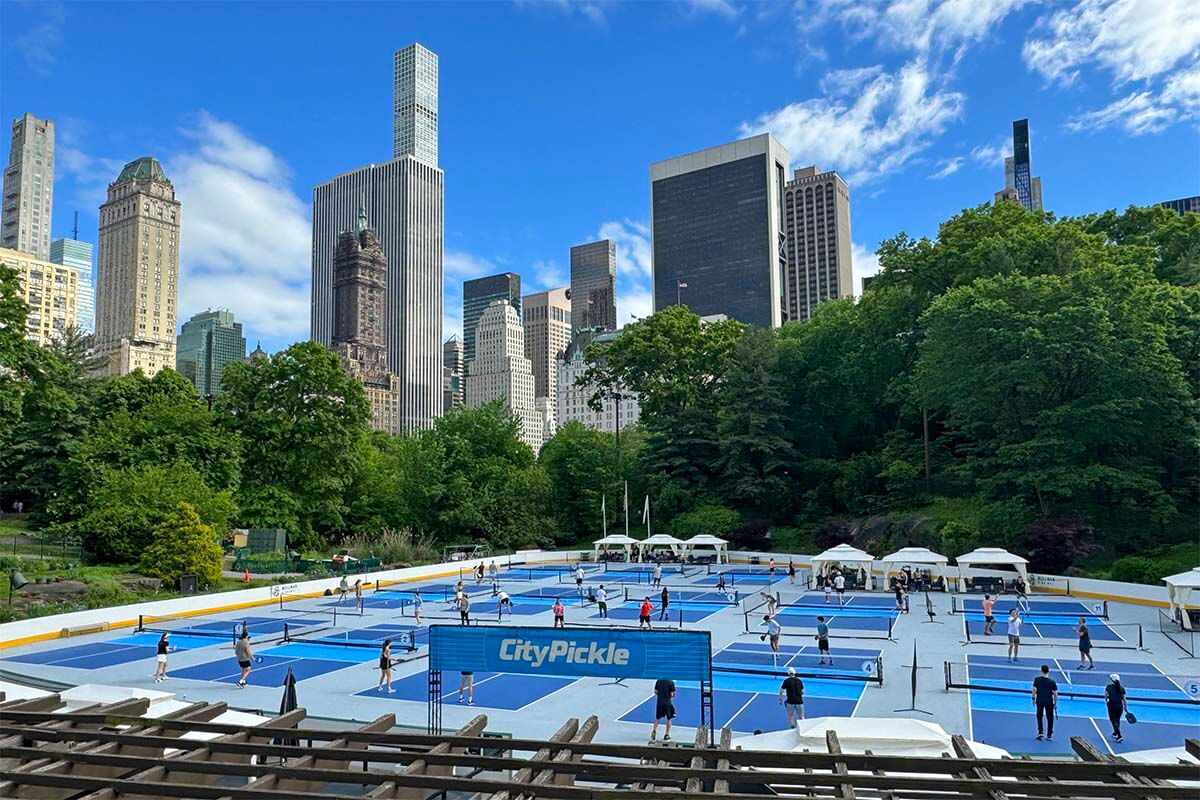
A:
x: 1114, y: 701
x: 791, y: 694
x: 1045, y: 700
x: 664, y: 707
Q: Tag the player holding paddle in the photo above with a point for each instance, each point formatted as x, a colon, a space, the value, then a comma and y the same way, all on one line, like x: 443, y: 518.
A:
x: 245, y: 657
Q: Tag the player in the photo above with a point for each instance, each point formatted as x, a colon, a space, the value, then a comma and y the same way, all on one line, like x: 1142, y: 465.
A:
x: 1014, y: 635
x: 721, y: 582
x: 343, y: 589
x: 385, y: 667
x: 664, y: 603
x: 771, y: 569
x: 839, y: 584
x: 791, y: 696
x: 822, y: 638
x: 358, y: 598
x: 466, y: 683
x: 602, y: 602
x: 418, y: 604
x: 493, y: 572
x: 245, y: 657
x: 773, y: 632
x: 1045, y: 701
x: 579, y: 579
x: 644, y: 614
x: 791, y: 572
x: 828, y: 590
x: 464, y: 610
x: 1116, y: 704
x: 164, y: 647
x: 559, y: 613
x: 503, y: 601
x: 771, y: 600
x: 664, y: 705
x: 989, y: 618
x: 656, y: 575
x: 1022, y: 601
x: 899, y: 587
x: 1085, y: 645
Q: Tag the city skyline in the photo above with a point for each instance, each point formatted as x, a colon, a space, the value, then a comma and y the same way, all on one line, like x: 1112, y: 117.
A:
x: 832, y: 98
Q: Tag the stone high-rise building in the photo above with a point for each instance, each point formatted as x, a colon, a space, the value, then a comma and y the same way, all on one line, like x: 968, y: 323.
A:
x: 28, y: 200
x: 452, y: 365
x: 500, y: 370
x: 716, y: 222
x: 594, y: 285
x: 360, y: 320
x: 817, y: 226
x: 547, y: 318
x: 206, y: 343
x: 77, y: 254
x: 51, y: 291
x: 478, y: 294
x: 137, y: 290
x: 404, y: 199
x: 574, y: 400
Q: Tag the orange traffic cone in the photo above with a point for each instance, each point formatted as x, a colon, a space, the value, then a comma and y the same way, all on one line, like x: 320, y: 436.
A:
x: 247, y: 579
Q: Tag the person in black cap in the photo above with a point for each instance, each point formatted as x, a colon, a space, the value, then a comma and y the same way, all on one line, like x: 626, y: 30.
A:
x: 1045, y: 700
x: 1114, y: 700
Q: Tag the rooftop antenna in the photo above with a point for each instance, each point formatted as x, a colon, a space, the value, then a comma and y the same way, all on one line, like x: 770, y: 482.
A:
x: 75, y: 230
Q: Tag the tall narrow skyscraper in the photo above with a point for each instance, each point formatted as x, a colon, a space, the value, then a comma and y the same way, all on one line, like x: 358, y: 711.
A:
x: 453, y: 377
x: 594, y: 285
x: 1019, y: 183
x: 138, y: 271
x: 28, y: 200
x: 404, y: 199
x: 415, y: 97
x: 716, y: 223
x: 817, y: 226
x: 478, y: 294
x: 500, y: 370
x: 547, y: 318
x: 77, y: 254
x: 360, y: 317
x: 206, y: 343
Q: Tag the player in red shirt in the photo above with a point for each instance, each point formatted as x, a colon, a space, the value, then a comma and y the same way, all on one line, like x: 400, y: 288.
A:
x: 644, y: 614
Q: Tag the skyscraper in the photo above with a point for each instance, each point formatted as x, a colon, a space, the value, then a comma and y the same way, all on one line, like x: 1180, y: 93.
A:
x: 716, y: 223
x: 28, y: 200
x: 547, y: 317
x: 51, y: 292
x: 574, y: 401
x: 415, y: 100
x: 1183, y: 205
x: 360, y: 320
x: 138, y: 271
x: 404, y: 199
x: 206, y: 343
x: 453, y: 377
x: 817, y: 225
x: 593, y: 285
x: 1019, y: 183
x: 77, y: 254
x: 500, y: 370
x: 478, y: 294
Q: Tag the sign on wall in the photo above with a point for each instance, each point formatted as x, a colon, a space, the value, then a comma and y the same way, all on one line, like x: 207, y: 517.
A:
x: 572, y: 652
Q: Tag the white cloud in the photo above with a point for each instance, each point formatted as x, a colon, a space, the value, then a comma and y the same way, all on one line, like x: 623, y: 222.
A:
x: 459, y: 266
x: 595, y: 11
x: 41, y: 42
x: 1138, y: 113
x: 839, y: 82
x: 1132, y: 39
x: 990, y: 155
x: 633, y: 245
x: 947, y: 168
x: 548, y: 274
x: 722, y: 7
x: 633, y: 302
x: 863, y: 263
x: 246, y: 236
x: 891, y: 118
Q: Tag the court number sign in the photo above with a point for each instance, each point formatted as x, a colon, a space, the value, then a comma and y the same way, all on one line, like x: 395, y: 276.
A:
x: 406, y: 640
x: 1192, y: 688
x: 868, y: 667
x: 1098, y: 608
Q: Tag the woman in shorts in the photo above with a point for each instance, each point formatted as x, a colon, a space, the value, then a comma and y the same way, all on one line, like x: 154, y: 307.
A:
x: 164, y: 647
x: 417, y: 604
x: 559, y: 613
x: 385, y: 666
x: 466, y: 685
x: 245, y: 657
x: 1085, y: 645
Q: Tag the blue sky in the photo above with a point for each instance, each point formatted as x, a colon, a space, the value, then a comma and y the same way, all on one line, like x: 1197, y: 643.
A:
x: 552, y: 110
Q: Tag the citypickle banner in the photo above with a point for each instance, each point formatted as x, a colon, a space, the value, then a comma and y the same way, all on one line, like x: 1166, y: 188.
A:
x: 572, y: 652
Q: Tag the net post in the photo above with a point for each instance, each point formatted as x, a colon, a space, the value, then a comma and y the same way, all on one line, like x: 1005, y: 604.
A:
x: 287, y: 632
x: 403, y: 605
x: 1141, y: 644
x: 141, y: 623
x: 946, y: 672
x: 966, y: 629
x: 335, y: 608
x: 746, y: 620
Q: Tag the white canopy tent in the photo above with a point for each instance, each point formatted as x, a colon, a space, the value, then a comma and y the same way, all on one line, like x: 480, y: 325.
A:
x: 1179, y: 588
x: 993, y: 557
x: 843, y: 555
x: 659, y: 541
x: 615, y: 541
x: 705, y: 541
x: 906, y: 556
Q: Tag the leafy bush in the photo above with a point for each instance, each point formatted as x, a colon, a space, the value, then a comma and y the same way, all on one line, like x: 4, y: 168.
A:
x: 958, y: 539
x: 1139, y: 569
x: 711, y: 520
x: 1052, y: 545
x: 393, y: 546
x: 318, y: 571
x: 183, y: 545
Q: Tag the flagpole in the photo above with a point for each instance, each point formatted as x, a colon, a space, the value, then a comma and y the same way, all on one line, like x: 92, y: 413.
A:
x: 603, y: 516
x: 627, y: 508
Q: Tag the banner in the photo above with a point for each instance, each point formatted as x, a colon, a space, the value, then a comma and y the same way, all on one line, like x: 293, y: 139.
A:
x: 600, y: 653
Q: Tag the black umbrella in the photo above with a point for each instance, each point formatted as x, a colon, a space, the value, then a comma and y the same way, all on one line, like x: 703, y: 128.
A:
x: 287, y: 705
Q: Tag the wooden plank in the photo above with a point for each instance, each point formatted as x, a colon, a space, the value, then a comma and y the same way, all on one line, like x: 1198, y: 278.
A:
x: 694, y: 785
x: 963, y: 750
x: 721, y: 785
x: 846, y: 789
x: 1088, y: 752
x: 526, y: 774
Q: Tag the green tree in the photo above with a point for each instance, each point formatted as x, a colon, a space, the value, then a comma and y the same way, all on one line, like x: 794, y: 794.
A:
x: 183, y: 545
x: 709, y: 520
x: 301, y: 420
x: 581, y: 470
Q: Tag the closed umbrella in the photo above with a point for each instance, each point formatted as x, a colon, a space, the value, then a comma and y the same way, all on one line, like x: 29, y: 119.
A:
x: 288, y: 704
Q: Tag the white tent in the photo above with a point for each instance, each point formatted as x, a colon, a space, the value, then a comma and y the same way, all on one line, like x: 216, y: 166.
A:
x: 843, y: 555
x: 615, y: 541
x: 907, y: 556
x: 891, y: 736
x: 993, y: 557
x: 705, y: 541
x: 659, y: 541
x: 1180, y: 586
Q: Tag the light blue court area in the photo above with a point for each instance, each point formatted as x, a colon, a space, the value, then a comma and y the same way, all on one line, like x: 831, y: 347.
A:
x: 851, y: 601
x: 729, y: 598
x: 1057, y: 629
x: 683, y: 610
x: 844, y: 622
x: 734, y: 579
x: 492, y: 689
x: 746, y: 687
x: 1064, y: 608
x: 1002, y: 711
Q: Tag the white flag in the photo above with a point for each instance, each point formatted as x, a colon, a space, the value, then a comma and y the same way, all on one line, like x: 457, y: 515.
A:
x: 604, y: 514
x: 646, y: 510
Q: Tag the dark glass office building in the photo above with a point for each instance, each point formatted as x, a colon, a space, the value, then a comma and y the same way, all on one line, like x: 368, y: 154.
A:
x: 717, y: 231
x: 1183, y: 205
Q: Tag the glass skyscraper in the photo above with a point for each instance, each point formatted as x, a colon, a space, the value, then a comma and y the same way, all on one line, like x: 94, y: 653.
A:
x: 593, y: 285
x: 74, y: 253
x: 206, y: 343
x: 415, y: 99
x: 477, y: 296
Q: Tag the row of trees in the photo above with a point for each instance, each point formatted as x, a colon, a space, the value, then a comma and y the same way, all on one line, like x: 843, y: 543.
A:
x: 1039, y: 376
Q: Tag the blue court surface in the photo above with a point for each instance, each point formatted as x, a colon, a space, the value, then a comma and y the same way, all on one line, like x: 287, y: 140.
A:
x: 855, y: 601
x: 1002, y: 712
x: 749, y: 701
x: 492, y: 689
x: 1036, y: 628
x: 1065, y: 608
x: 843, y: 622
x: 683, y: 610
